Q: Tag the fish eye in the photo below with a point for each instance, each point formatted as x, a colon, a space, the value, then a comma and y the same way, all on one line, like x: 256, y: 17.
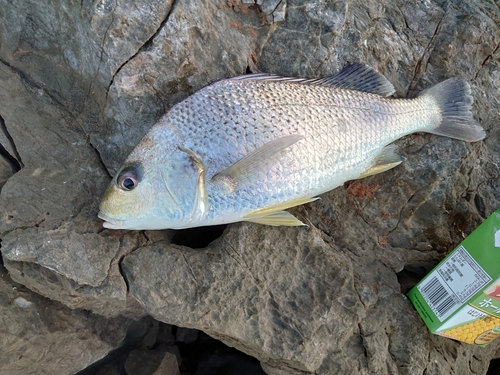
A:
x: 127, y: 180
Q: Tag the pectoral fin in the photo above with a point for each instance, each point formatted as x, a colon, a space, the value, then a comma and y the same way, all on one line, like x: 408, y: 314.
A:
x: 386, y: 160
x: 246, y: 169
x: 274, y: 215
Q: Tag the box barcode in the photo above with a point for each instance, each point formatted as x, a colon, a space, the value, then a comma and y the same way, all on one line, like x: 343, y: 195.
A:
x: 440, y: 300
x: 452, y: 283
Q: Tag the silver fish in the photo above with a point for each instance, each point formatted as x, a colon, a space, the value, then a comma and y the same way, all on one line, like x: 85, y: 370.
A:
x: 249, y: 147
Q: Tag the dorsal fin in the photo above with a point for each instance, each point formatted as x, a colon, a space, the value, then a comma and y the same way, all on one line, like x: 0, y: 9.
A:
x: 357, y: 77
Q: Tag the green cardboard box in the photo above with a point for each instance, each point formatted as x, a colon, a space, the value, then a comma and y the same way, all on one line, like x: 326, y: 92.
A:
x: 460, y: 297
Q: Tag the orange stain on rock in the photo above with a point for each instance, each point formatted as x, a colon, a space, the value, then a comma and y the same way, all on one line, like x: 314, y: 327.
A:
x: 252, y: 32
x: 363, y: 191
x: 236, y: 24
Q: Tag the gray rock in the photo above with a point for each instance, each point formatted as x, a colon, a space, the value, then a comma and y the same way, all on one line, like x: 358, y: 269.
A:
x: 81, y: 82
x: 274, y: 10
x: 40, y: 336
x: 318, y: 301
x: 168, y: 365
x: 175, y: 63
x: 152, y: 362
x: 5, y: 172
x: 108, y: 370
x: 186, y: 335
x: 300, y: 304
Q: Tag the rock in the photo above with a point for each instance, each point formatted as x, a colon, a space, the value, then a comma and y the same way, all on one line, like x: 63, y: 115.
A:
x: 186, y: 335
x: 168, y: 365
x: 5, y: 172
x: 165, y: 334
x: 175, y: 64
x: 274, y: 10
x: 204, y: 356
x: 310, y: 308
x: 9, y: 164
x: 49, y: 232
x: 108, y: 370
x: 64, y: 151
x: 81, y: 82
x: 315, y: 301
x: 152, y: 362
x: 40, y: 336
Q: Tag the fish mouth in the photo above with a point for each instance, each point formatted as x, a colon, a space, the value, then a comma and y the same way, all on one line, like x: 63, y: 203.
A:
x: 109, y: 222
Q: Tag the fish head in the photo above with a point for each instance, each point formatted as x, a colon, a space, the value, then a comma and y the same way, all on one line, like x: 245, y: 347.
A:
x: 156, y: 188
x: 126, y: 203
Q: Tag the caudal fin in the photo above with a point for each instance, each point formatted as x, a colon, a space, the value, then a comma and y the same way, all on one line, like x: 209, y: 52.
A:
x: 454, y: 99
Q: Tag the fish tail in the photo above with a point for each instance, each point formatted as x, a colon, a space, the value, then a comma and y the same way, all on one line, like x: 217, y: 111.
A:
x: 454, y: 100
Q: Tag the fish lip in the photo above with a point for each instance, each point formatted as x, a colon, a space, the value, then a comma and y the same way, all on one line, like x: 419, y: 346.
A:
x: 109, y: 222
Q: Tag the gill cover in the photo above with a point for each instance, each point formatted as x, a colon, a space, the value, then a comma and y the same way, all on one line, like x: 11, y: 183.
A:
x: 185, y: 183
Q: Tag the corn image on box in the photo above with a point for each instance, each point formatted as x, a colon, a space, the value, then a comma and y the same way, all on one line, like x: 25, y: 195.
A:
x: 460, y: 297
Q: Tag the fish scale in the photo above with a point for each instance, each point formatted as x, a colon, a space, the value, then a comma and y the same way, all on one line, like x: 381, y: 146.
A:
x: 343, y: 129
x: 249, y: 147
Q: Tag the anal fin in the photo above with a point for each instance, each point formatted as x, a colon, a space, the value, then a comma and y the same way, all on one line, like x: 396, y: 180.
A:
x: 278, y: 218
x: 386, y: 160
x: 274, y: 215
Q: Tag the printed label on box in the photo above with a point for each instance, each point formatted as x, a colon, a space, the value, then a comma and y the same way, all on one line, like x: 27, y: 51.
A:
x: 458, y: 299
x: 452, y: 283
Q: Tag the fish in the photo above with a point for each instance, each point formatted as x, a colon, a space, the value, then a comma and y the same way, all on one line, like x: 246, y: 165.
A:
x: 248, y: 148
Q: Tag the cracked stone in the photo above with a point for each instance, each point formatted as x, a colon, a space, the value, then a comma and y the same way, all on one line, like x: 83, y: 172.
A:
x: 322, y: 300
x: 5, y: 172
x: 48, y: 215
x: 174, y: 66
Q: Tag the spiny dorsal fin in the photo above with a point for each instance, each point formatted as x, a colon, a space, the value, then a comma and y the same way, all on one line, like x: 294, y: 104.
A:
x: 357, y: 77
x: 245, y: 170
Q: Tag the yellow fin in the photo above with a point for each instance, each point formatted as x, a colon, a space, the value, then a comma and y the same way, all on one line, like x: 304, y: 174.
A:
x: 387, y: 159
x: 277, y: 219
x: 266, y: 211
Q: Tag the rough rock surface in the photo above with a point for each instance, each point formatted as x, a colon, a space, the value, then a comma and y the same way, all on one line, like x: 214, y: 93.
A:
x: 40, y: 336
x: 81, y: 82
